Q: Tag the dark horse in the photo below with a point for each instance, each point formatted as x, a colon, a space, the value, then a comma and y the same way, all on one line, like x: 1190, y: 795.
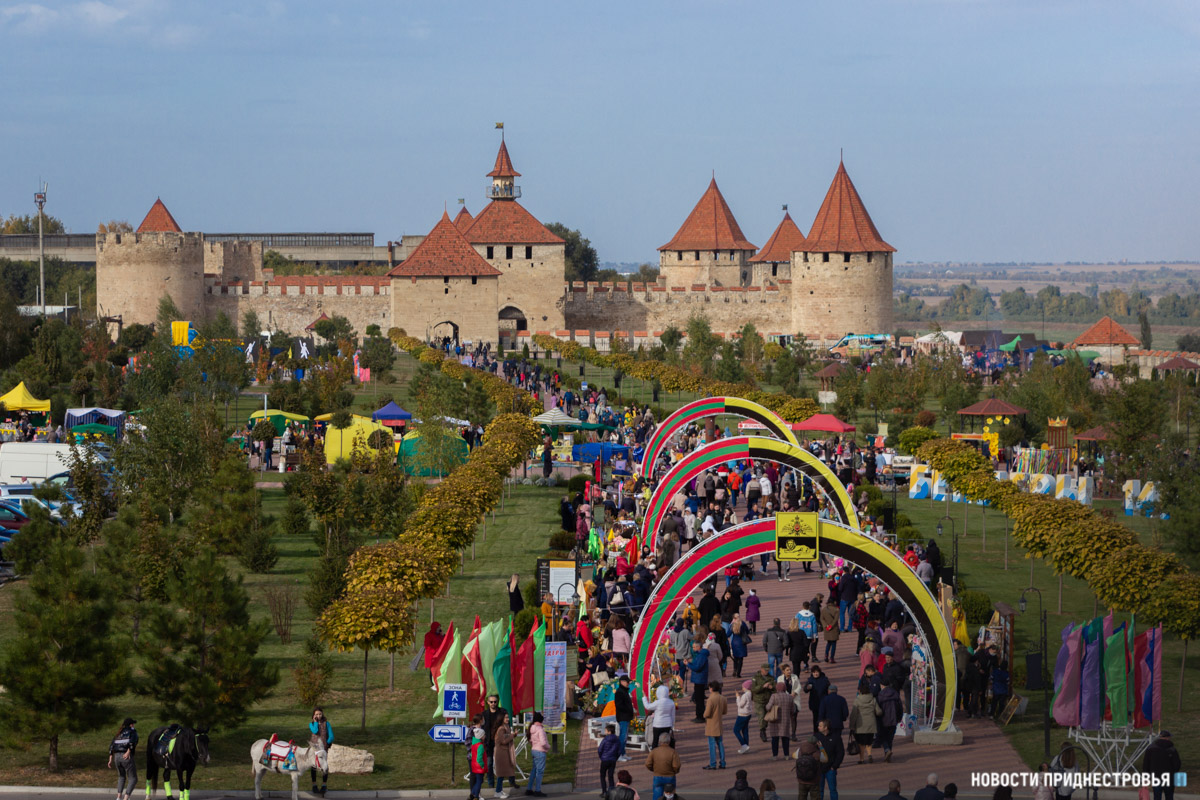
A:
x: 188, y: 749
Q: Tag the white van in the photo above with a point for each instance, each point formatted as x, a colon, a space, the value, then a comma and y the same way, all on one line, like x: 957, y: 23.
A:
x: 32, y: 462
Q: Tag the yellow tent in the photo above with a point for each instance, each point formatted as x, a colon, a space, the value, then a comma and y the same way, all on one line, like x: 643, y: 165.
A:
x: 341, y: 443
x: 19, y: 399
x: 271, y: 412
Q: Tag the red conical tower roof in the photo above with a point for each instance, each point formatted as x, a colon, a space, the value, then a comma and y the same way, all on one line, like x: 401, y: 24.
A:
x: 444, y: 252
x: 504, y: 166
x: 710, y: 226
x: 843, y: 224
x: 463, y: 220
x: 786, y: 240
x: 159, y: 220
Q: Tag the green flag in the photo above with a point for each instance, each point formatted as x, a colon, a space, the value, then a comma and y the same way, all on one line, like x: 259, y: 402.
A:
x: 502, y: 674
x: 1116, y: 677
x: 539, y: 664
x: 487, y: 654
x: 451, y: 670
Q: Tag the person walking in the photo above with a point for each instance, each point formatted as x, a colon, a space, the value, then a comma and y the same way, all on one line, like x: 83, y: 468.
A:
x: 766, y: 790
x: 739, y: 635
x: 623, y: 788
x: 479, y: 759
x: 663, y: 707
x: 1163, y: 759
x: 493, y: 713
x: 835, y: 752
x: 781, y: 719
x: 774, y: 643
x: 816, y: 687
x: 833, y: 710
x: 741, y: 787
x: 1000, y: 684
x: 539, y: 745
x: 320, y: 736
x: 829, y: 625
x: 506, y: 757
x: 892, y: 713
x: 762, y: 687
x: 893, y: 791
x: 744, y: 700
x: 681, y: 643
x: 608, y: 751
x: 714, y: 711
x: 863, y: 723
x: 699, y: 676
x: 121, y: 754
x: 663, y: 763
x: 797, y: 647
x: 808, y: 768
x: 753, y: 610
x: 624, y: 708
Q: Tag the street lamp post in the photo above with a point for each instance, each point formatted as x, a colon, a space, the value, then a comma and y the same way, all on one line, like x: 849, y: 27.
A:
x: 39, y: 199
x: 954, y: 536
x: 1043, y: 676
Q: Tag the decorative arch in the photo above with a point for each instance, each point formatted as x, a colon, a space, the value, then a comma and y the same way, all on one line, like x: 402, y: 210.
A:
x: 742, y: 447
x: 713, y: 407
x: 758, y: 536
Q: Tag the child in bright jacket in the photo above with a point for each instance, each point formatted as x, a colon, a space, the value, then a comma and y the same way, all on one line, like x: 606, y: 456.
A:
x: 479, y: 765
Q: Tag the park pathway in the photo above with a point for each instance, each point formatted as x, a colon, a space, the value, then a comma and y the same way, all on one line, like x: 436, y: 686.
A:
x: 984, y: 745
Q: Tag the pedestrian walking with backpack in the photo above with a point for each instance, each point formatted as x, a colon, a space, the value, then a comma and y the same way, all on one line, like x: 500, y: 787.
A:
x: 808, y: 768
x: 121, y: 755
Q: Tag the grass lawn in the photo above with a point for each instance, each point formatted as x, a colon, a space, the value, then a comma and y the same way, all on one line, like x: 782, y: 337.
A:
x: 397, y: 721
x: 984, y: 570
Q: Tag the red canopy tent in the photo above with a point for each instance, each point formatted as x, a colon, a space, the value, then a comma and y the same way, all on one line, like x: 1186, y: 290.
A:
x: 824, y: 423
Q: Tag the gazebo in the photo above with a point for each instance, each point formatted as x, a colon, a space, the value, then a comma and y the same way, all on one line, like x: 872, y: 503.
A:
x: 824, y: 423
x: 990, y: 409
x: 1096, y: 434
x: 391, y: 415
x: 1179, y: 364
x: 829, y: 373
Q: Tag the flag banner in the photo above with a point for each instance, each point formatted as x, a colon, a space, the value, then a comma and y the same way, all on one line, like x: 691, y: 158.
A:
x: 1115, y: 674
x: 539, y: 665
x: 451, y: 669
x: 438, y: 659
x: 1147, y: 677
x: 1091, y: 684
x: 1068, y: 687
x: 1060, y: 663
x: 502, y: 669
x: 523, y: 680
x: 472, y: 669
x: 554, y: 698
x: 487, y: 655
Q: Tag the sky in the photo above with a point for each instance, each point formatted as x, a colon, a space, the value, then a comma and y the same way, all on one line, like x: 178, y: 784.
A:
x: 974, y: 131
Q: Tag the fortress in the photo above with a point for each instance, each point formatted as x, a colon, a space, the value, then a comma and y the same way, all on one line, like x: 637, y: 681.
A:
x: 499, y: 275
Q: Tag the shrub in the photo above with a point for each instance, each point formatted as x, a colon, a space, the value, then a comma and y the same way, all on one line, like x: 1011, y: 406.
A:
x: 313, y: 674
x: 264, y: 431
x: 327, y: 581
x: 562, y: 540
x: 523, y: 624
x: 872, y: 491
x: 907, y: 536
x: 578, y: 483
x: 977, y: 606
x: 530, y: 594
x: 281, y: 600
x: 926, y: 419
x: 912, y: 438
x: 902, y: 521
x: 257, y: 552
x: 295, y: 521
x: 875, y: 508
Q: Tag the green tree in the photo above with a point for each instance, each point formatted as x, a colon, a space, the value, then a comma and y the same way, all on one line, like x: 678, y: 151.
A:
x: 15, y: 334
x: 63, y: 664
x: 671, y: 338
x: 850, y: 389
x: 1189, y: 342
x: 135, y: 336
x: 702, y: 344
x: 729, y: 367
x: 336, y: 329
x: 378, y: 355
x: 251, y: 326
x: 1137, y: 414
x: 750, y: 347
x: 225, y: 509
x: 1146, y: 335
x: 140, y: 554
x: 199, y: 652
x: 581, y: 260
x: 29, y: 224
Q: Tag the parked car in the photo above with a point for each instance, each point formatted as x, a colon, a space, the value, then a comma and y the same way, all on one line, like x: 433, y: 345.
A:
x: 12, y: 519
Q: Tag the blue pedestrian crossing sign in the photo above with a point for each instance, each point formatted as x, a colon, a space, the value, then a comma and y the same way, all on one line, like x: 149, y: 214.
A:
x: 450, y: 734
x: 454, y: 701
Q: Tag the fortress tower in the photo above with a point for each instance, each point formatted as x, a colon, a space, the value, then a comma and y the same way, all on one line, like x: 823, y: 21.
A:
x: 134, y: 270
x: 774, y: 262
x: 709, y: 247
x: 842, y: 274
x: 531, y: 260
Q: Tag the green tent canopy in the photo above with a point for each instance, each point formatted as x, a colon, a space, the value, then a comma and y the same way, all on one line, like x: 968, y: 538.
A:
x: 279, y: 419
x: 98, y: 428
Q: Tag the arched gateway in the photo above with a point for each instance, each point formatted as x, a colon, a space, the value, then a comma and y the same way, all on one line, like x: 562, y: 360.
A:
x: 832, y: 538
x: 712, y: 407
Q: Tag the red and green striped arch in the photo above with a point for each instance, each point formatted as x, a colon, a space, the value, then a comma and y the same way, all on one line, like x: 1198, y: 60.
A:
x: 758, y: 536
x: 742, y: 447
x: 712, y: 407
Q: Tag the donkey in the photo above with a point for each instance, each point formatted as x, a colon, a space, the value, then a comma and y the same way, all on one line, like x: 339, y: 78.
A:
x: 181, y: 753
x: 306, y: 758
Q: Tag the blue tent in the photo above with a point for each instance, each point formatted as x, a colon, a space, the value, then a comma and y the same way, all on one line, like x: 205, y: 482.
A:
x: 390, y: 412
x: 593, y: 450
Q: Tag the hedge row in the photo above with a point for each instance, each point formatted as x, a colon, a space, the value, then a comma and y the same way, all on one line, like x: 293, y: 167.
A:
x: 1078, y: 541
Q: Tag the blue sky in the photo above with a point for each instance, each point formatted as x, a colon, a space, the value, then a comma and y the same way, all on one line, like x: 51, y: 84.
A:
x: 987, y: 131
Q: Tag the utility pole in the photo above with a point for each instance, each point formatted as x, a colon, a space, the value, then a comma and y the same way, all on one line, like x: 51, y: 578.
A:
x: 39, y: 199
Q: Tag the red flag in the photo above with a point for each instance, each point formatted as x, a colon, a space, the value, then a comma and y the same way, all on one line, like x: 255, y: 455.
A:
x: 523, y: 674
x: 472, y: 671
x: 435, y: 663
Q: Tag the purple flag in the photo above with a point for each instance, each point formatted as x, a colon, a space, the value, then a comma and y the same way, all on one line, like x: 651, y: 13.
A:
x: 1091, y: 684
x: 1067, y: 682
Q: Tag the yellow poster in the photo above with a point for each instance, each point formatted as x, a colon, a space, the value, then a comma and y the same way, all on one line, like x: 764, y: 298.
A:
x: 797, y: 536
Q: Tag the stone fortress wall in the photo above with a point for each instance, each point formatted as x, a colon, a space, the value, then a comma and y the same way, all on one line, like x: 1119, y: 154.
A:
x: 134, y: 271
